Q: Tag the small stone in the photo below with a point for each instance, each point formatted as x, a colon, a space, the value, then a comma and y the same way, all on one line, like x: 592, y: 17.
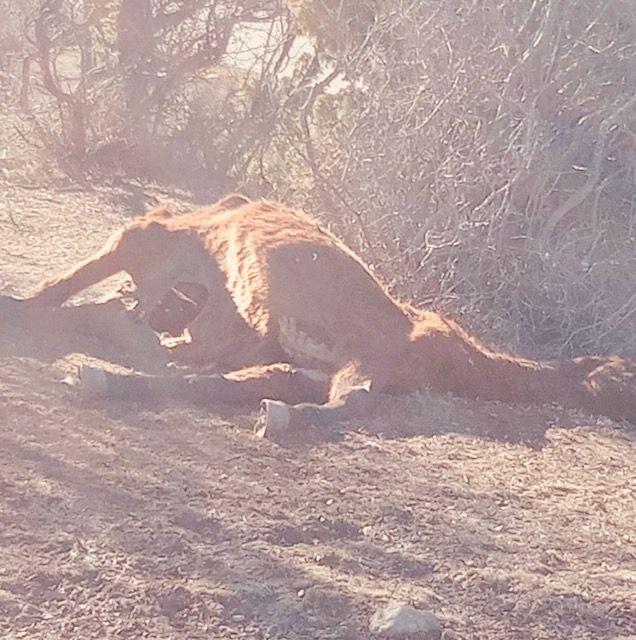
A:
x: 398, y: 620
x: 70, y: 381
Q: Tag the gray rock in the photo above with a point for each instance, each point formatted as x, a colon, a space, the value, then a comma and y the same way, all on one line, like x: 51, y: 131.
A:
x: 398, y: 620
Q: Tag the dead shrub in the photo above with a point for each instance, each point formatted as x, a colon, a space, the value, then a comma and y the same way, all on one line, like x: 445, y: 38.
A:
x: 483, y: 156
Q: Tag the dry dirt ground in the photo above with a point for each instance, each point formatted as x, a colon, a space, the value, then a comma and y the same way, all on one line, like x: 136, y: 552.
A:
x: 136, y: 521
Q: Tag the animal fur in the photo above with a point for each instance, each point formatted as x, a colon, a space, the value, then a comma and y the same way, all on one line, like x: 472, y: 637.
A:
x: 269, y: 284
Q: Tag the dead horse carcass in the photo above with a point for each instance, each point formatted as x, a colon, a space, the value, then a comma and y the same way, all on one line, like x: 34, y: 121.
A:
x: 254, y: 283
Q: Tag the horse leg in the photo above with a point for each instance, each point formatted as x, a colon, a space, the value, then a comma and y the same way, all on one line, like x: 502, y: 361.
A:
x: 246, y: 386
x: 354, y: 391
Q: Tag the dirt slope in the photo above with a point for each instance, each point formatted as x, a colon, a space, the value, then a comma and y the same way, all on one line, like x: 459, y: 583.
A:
x: 131, y: 521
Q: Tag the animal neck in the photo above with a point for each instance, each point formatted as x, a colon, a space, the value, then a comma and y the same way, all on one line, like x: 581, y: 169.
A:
x: 451, y: 360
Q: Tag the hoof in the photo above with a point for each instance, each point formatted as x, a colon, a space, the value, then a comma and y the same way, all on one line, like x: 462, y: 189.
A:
x: 273, y: 420
x: 93, y: 381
